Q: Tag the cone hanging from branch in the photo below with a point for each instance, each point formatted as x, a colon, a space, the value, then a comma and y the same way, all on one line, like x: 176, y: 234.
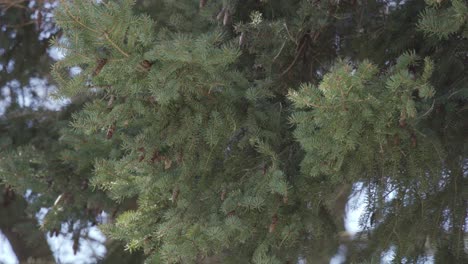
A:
x: 110, y: 131
x: 202, y: 3
x: 274, y: 222
x: 175, y: 195
x: 100, y: 64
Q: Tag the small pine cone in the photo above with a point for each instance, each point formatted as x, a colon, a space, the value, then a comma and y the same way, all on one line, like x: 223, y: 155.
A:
x: 145, y: 66
x: 147, y: 240
x: 110, y: 102
x: 141, y: 157
x: 231, y: 213
x: 396, y: 140
x: 285, y: 199
x: 402, y: 123
x: 274, y: 222
x: 175, y: 194
x: 167, y: 163
x: 223, y: 194
x: 110, y: 131
x: 100, y: 64
x: 403, y: 120
x: 202, y: 3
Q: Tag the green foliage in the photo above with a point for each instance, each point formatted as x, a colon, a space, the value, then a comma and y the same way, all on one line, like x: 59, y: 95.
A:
x: 195, y: 126
x: 355, y: 113
x: 441, y: 19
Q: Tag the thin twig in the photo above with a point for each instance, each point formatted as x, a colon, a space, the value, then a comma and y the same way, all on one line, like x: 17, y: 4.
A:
x: 289, y: 34
x: 428, y: 111
x: 279, y: 52
x: 76, y: 19
x: 299, y: 53
x: 20, y: 25
x: 106, y: 35
x: 115, y: 45
x: 11, y: 4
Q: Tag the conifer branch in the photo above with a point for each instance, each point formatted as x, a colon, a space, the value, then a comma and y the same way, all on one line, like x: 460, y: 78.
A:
x: 191, y: 99
x: 106, y: 35
x: 298, y: 53
x: 76, y: 19
x: 115, y: 45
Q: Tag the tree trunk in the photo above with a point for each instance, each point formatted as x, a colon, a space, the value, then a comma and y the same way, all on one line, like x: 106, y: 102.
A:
x: 28, y: 243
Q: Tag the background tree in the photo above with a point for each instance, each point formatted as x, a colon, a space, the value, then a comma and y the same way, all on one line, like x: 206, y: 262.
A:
x: 24, y: 35
x: 30, y: 126
x: 232, y: 131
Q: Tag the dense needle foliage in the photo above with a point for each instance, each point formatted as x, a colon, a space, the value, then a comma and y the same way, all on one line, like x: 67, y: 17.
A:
x: 233, y: 131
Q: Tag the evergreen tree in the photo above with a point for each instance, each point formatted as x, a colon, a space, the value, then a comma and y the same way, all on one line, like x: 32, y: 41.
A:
x: 28, y: 129
x: 232, y: 131
x: 24, y: 37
